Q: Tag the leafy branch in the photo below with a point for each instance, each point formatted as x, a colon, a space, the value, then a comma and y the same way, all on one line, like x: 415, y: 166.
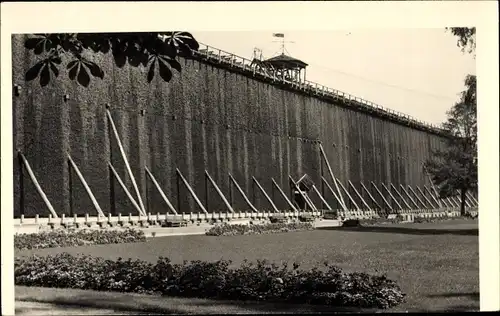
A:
x: 156, y: 50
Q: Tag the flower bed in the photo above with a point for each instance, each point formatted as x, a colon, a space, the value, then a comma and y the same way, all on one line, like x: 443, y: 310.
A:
x: 64, y: 238
x: 270, y: 228
x: 261, y: 281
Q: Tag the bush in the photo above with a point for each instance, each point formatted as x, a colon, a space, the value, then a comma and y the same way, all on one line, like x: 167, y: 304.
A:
x: 261, y: 281
x: 64, y: 238
x: 271, y: 228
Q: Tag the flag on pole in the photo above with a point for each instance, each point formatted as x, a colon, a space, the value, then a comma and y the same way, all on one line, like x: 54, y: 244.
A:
x: 278, y: 35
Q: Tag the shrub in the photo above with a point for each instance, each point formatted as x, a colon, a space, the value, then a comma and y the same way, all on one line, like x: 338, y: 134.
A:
x: 270, y: 228
x: 251, y: 281
x: 64, y: 238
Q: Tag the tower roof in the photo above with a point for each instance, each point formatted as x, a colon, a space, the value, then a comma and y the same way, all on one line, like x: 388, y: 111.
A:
x: 284, y: 61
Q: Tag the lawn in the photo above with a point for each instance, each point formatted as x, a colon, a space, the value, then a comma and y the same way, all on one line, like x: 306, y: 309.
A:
x: 436, y: 264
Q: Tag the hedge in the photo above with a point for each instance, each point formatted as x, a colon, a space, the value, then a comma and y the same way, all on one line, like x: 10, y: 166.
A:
x: 252, y: 229
x: 259, y: 281
x: 64, y: 238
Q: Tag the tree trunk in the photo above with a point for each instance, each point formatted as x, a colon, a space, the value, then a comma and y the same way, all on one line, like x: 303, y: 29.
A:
x: 462, y: 201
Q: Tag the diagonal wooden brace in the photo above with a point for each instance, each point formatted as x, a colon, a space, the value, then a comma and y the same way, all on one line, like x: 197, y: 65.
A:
x: 86, y: 186
x: 228, y: 205
x: 157, y: 185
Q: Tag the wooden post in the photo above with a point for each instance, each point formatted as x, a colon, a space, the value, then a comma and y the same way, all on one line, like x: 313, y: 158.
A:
x: 447, y: 202
x: 321, y: 198
x: 416, y: 195
x: 382, y: 196
x: 157, y: 185
x: 231, y: 198
x: 252, y: 207
x: 359, y: 195
x: 349, y: 196
x: 70, y: 187
x: 284, y: 196
x: 85, y: 185
x: 344, y: 208
x: 409, y: 196
x: 331, y: 174
x: 371, y: 196
x: 425, y: 197
x: 265, y: 194
x: 191, y: 191
x: 207, y: 200
x: 112, y: 191
x: 392, y: 196
x: 466, y: 201
x: 228, y: 205
x: 21, y: 183
x: 473, y: 197
x: 433, y: 197
x: 178, y: 181
x: 301, y: 193
x: 38, y: 187
x: 401, y: 197
x: 433, y: 188
x: 125, y: 160
x: 148, y: 203
x: 131, y: 198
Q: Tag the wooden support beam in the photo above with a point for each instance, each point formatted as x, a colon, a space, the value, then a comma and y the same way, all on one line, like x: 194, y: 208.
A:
x: 416, y: 195
x: 125, y: 160
x: 38, y: 187
x: 321, y: 197
x: 392, y: 196
x: 228, y: 205
x: 252, y: 207
x: 302, y: 193
x: 131, y: 198
x: 473, y: 197
x: 425, y: 197
x: 86, y: 186
x: 359, y: 195
x: 382, y: 196
x: 433, y: 188
x: 349, y: 196
x: 449, y: 202
x: 371, y: 196
x: 284, y: 196
x: 265, y: 194
x: 334, y: 194
x: 471, y: 200
x: 456, y: 200
x: 401, y: 196
x: 467, y: 203
x: 409, y: 196
x: 157, y: 185
x: 191, y: 191
x: 331, y: 174
x: 433, y: 197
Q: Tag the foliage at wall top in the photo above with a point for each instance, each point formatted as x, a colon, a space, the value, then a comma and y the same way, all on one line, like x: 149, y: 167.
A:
x: 77, y: 52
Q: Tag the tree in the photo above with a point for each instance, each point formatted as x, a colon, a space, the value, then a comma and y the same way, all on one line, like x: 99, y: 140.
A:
x: 466, y: 38
x: 455, y: 167
x: 78, y: 50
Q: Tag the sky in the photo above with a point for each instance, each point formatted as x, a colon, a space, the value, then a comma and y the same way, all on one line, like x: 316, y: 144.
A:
x: 419, y: 72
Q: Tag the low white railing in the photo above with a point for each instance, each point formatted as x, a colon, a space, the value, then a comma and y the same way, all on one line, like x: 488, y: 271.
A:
x: 196, y: 217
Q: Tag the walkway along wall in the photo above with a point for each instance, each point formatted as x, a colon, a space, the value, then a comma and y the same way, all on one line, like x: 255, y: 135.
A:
x: 207, y: 118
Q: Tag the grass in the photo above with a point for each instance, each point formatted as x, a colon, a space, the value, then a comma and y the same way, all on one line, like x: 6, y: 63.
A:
x: 436, y: 264
x: 37, y: 299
